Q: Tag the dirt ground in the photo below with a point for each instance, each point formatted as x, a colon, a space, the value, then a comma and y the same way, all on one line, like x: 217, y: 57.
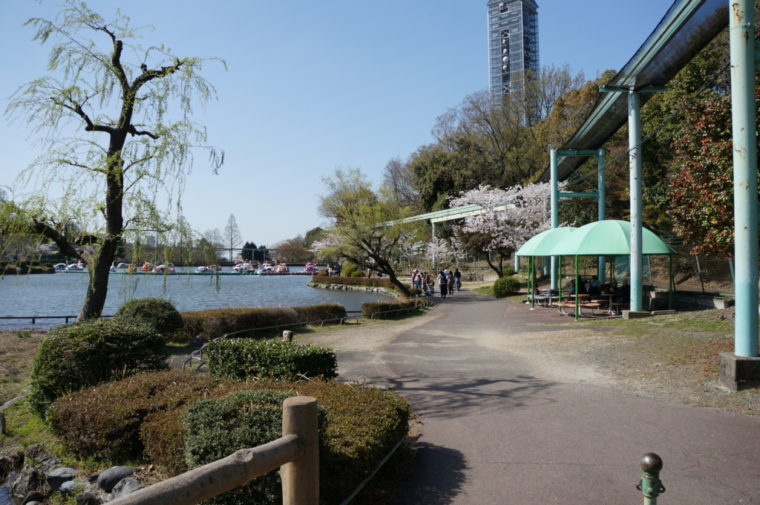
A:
x: 672, y: 358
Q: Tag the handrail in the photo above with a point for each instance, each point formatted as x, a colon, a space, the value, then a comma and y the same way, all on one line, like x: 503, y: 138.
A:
x: 296, y: 452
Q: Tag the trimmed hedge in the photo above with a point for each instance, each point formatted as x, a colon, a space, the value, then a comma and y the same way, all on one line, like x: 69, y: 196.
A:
x: 362, y: 423
x: 388, y: 310
x: 374, y: 282
x: 505, y: 286
x: 160, y: 314
x: 241, y: 359
x: 89, y: 352
x: 104, y: 422
x: 210, y: 324
x: 217, y: 428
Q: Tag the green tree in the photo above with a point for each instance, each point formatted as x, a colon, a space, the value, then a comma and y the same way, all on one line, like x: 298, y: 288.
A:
x: 701, y: 192
x: 134, y: 135
x: 365, y: 225
x: 248, y: 250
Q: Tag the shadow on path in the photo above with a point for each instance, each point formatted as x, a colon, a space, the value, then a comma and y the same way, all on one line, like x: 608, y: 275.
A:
x: 437, y: 478
x: 453, y: 398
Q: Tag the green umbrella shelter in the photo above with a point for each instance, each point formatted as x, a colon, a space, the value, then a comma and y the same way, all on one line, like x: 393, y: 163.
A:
x: 541, y: 245
x: 610, y: 238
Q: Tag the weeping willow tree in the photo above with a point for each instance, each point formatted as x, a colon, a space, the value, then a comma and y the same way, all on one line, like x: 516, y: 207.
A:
x: 117, y: 140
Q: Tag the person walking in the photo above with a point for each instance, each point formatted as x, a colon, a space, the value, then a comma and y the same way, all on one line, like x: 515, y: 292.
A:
x: 458, y: 279
x: 443, y: 283
x: 450, y: 282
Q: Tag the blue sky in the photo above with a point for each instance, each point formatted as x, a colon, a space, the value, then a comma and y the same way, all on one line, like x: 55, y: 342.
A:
x: 315, y: 86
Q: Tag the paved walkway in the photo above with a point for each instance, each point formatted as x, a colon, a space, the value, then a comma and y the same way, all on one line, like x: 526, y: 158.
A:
x: 496, y: 429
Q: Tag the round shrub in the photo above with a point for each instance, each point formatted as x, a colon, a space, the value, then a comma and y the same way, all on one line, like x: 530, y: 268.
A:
x: 160, y: 314
x: 217, y: 428
x: 109, y: 421
x: 506, y: 286
x: 89, y: 352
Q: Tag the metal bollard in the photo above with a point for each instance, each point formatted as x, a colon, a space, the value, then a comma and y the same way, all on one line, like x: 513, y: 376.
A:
x: 650, y: 484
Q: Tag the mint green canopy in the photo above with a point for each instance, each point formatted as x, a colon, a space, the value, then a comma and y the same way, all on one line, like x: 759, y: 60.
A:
x: 543, y: 243
x: 606, y: 238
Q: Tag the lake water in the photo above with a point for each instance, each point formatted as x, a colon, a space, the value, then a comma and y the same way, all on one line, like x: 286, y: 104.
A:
x: 62, y: 294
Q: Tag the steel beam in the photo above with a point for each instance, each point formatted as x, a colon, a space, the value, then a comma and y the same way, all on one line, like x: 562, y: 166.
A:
x: 634, y: 161
x: 742, y: 45
x: 555, y: 208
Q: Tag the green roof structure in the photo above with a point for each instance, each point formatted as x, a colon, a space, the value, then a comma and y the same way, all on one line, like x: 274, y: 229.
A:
x: 610, y: 237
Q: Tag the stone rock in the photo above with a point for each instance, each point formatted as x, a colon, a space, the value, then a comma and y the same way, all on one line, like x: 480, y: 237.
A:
x: 34, y: 497
x: 87, y: 498
x: 33, y: 503
x: 29, y: 481
x: 71, y: 485
x: 109, y: 478
x: 56, y: 477
x: 126, y: 486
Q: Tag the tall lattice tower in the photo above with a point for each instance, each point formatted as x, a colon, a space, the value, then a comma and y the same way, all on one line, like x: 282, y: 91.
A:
x: 513, y: 44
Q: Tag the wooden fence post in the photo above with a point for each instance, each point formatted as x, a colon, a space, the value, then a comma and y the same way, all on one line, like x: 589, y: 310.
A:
x: 300, y: 478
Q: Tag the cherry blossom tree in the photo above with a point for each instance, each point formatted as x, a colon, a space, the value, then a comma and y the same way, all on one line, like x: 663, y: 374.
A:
x: 511, y: 217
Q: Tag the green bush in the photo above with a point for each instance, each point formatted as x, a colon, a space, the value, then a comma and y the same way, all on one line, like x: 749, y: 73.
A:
x: 217, y: 428
x: 508, y: 271
x: 89, y: 352
x: 160, y: 314
x: 210, y: 324
x: 388, y: 310
x: 362, y: 423
x: 348, y: 269
x: 108, y: 421
x: 505, y: 286
x: 242, y: 359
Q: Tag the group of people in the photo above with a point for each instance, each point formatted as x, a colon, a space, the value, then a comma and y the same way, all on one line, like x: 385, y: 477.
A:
x: 593, y: 287
x: 448, y: 281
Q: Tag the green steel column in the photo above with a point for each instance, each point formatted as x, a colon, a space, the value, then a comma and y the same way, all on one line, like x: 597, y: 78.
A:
x: 742, y: 43
x: 600, y: 164
x: 433, y: 240
x: 555, y: 208
x: 634, y: 161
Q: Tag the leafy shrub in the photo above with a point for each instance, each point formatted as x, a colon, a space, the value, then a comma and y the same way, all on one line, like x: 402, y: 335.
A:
x: 160, y: 314
x: 505, y: 286
x: 361, y: 426
x: 242, y: 359
x: 105, y: 421
x: 508, y: 271
x: 388, y: 310
x: 217, y: 428
x: 90, y: 352
x: 348, y: 269
x: 362, y: 423
x: 210, y: 324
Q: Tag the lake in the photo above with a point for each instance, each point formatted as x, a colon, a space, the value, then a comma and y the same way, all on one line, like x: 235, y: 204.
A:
x: 62, y: 294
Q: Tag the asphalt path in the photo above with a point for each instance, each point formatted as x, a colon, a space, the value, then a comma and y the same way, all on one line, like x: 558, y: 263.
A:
x: 497, y: 428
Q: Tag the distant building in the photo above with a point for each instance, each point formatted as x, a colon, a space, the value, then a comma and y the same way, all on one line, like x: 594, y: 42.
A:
x: 512, y: 44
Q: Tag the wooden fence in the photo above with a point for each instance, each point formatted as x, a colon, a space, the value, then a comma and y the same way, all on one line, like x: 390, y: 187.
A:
x: 296, y: 452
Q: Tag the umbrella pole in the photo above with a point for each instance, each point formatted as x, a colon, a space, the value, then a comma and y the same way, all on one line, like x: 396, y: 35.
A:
x: 559, y: 292
x: 671, y: 284
x: 576, y: 282
x: 531, y: 286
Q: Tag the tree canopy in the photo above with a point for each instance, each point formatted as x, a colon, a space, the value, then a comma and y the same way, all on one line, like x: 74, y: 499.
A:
x: 119, y: 139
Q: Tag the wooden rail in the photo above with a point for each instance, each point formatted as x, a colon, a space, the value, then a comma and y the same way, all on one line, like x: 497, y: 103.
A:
x: 296, y: 453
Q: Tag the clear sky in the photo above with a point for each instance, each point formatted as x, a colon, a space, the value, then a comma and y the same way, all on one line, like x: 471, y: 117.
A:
x: 314, y: 86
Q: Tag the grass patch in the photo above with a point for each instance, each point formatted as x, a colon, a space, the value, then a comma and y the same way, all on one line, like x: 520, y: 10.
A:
x: 17, y: 349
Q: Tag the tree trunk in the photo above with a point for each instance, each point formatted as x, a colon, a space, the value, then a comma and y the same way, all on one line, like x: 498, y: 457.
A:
x: 498, y: 269
x: 97, y: 288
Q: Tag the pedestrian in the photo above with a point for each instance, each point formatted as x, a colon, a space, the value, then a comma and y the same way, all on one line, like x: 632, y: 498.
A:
x: 416, y: 279
x: 458, y: 279
x: 443, y: 283
x: 429, y: 284
x: 450, y: 282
